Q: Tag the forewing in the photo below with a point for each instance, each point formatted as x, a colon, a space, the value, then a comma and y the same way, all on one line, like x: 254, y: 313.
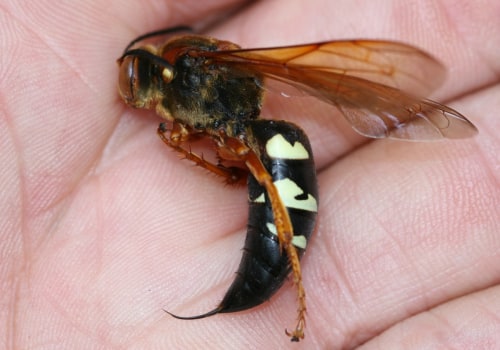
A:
x: 392, y: 64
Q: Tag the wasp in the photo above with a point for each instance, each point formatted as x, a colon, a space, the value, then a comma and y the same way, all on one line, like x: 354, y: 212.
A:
x: 212, y: 88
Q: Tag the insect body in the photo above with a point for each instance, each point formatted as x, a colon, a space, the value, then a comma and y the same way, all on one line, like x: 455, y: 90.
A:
x: 213, y: 88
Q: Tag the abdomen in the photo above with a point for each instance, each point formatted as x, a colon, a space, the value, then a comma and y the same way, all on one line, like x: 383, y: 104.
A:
x: 286, y: 154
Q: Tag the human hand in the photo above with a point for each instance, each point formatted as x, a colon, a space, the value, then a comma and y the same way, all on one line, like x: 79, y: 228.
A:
x: 103, y: 226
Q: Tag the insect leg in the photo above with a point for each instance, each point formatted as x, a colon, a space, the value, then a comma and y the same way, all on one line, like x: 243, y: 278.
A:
x: 180, y: 134
x: 285, y: 235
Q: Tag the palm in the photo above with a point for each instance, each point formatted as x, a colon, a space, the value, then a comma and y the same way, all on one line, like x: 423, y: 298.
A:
x: 103, y: 227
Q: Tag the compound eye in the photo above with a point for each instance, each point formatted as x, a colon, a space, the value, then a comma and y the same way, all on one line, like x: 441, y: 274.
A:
x: 128, y: 81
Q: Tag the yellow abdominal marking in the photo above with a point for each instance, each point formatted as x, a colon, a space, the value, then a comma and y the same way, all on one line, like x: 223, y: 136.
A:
x: 289, y: 191
x: 278, y: 147
x: 298, y: 241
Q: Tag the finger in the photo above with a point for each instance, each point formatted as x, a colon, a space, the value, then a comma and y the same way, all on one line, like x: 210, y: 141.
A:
x: 469, y: 322
x: 404, y: 231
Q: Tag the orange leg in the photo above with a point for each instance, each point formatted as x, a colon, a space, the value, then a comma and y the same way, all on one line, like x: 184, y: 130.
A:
x: 180, y: 134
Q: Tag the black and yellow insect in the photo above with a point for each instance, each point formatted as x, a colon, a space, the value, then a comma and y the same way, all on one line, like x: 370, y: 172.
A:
x: 213, y: 88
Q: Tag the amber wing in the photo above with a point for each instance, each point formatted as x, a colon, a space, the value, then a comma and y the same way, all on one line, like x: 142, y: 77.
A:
x: 379, y: 86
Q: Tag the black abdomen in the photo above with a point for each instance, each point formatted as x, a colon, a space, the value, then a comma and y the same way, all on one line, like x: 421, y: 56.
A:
x: 286, y: 154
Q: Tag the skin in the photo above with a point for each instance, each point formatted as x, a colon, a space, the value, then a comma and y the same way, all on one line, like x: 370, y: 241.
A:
x: 102, y: 227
